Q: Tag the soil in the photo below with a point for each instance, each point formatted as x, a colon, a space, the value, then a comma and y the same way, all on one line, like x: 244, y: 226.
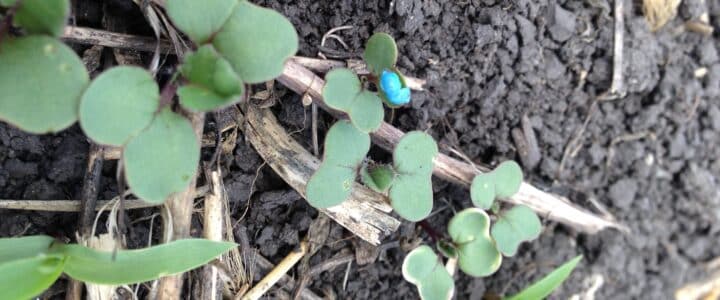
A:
x: 649, y: 158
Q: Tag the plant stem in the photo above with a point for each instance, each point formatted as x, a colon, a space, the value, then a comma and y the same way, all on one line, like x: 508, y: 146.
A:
x: 434, y: 235
x: 7, y: 21
x: 167, y: 94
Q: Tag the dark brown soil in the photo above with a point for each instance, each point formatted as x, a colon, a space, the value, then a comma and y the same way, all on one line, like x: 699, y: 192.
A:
x: 488, y: 63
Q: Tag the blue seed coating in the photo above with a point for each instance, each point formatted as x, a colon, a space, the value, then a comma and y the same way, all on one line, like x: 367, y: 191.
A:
x: 392, y: 87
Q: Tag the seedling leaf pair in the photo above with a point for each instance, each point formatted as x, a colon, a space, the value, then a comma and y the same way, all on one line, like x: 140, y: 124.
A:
x: 160, y: 152
x: 477, y: 254
x: 515, y: 226
x: 411, y: 193
x: 213, y: 82
x: 424, y: 269
x: 343, y: 91
x: 42, y: 80
x: 345, y: 149
x: 241, y: 43
x: 29, y: 265
x: 503, y: 182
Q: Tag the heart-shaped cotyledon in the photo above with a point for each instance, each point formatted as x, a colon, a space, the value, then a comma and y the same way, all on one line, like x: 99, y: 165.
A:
x: 391, y: 85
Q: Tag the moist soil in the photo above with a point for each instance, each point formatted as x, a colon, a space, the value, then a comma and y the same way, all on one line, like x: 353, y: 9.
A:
x: 649, y: 158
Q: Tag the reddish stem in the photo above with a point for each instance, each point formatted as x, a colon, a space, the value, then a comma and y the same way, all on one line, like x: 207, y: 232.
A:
x: 7, y: 21
x: 167, y: 94
x: 434, y: 235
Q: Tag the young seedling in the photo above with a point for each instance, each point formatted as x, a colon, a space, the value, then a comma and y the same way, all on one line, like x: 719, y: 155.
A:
x: 345, y: 149
x: 470, y: 233
x: 515, y: 226
x: 503, y: 182
x: 343, y: 91
x: 29, y: 265
x: 377, y: 177
x: 381, y: 56
x: 411, y: 193
x: 424, y: 269
x: 213, y: 83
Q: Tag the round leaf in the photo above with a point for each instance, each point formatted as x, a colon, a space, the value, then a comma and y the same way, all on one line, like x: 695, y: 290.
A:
x: 380, y: 53
x: 419, y: 263
x: 162, y: 159
x: 477, y: 255
x: 199, y: 99
x: 415, y: 153
x: 41, y: 80
x: 206, y: 68
x: 118, y: 104
x: 28, y: 277
x: 479, y: 258
x: 341, y: 88
x: 508, y: 177
x: 469, y: 225
x: 422, y: 268
x: 133, y: 266
x: 257, y: 42
x: 366, y: 111
x: 482, y: 191
x: 411, y: 196
x: 199, y: 19
x: 345, y: 149
x: 515, y: 226
x: 42, y: 16
x: 330, y: 186
x: 345, y: 145
x: 439, y: 285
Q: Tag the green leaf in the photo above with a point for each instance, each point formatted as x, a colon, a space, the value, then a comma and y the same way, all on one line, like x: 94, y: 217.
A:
x: 508, y: 178
x: 28, y: 277
x: 378, y: 178
x: 515, y: 226
x: 199, y: 99
x: 330, y: 186
x: 41, y: 80
x: 411, y: 194
x: 414, y: 153
x: 42, y: 16
x: 118, y: 104
x: 482, y: 191
x: 477, y: 255
x: 343, y: 91
x: 503, y: 182
x: 23, y: 247
x: 133, y: 266
x: 199, y: 19
x: 257, y: 42
x: 206, y: 68
x: 163, y: 158
x: 345, y: 149
x: 422, y: 268
x: 543, y: 287
x: 380, y: 53
x: 447, y: 249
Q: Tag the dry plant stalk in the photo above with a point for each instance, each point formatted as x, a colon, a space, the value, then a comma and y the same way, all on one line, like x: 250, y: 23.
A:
x: 659, y: 12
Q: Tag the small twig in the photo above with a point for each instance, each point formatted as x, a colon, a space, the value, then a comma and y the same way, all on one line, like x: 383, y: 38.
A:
x: 213, y: 230
x: 625, y: 138
x: 89, y: 194
x: 74, y: 205
x: 617, y: 86
x: 575, y: 143
x: 434, y: 235
x: 278, y: 272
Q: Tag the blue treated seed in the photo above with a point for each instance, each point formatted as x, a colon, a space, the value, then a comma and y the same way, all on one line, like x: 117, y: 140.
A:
x: 392, y: 87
